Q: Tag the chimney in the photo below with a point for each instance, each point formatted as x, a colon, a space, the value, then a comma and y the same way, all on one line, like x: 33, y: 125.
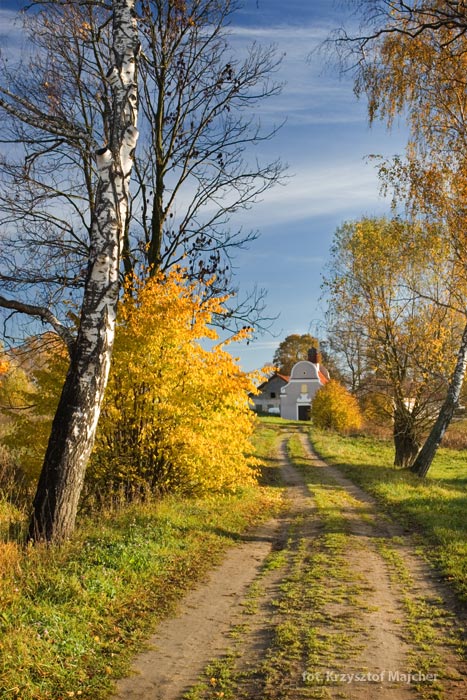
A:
x: 313, y: 355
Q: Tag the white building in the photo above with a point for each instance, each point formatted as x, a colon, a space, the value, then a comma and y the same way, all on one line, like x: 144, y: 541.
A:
x: 306, y: 378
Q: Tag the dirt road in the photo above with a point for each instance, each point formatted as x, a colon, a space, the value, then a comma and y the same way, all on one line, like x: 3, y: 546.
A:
x: 329, y: 601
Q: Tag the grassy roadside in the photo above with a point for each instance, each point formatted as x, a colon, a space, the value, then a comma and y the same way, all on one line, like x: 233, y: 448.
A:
x: 322, y: 599
x: 71, y: 618
x: 435, y: 507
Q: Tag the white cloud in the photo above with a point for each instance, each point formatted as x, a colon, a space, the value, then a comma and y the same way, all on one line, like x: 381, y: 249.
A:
x: 284, y: 33
x: 318, y: 191
x: 304, y: 259
x: 261, y: 345
x: 313, y: 92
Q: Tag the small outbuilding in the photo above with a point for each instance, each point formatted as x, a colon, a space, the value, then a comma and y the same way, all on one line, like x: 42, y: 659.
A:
x: 268, y: 400
x: 306, y: 378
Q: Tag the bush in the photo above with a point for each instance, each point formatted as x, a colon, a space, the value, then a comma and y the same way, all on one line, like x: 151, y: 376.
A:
x: 176, y: 414
x: 334, y: 408
x: 28, y: 400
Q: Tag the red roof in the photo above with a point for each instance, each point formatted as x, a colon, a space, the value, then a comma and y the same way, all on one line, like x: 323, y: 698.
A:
x: 322, y: 378
x: 276, y: 374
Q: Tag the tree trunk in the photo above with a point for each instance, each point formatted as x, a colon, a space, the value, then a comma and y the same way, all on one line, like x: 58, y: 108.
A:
x: 406, y: 449
x: 433, y: 441
x: 75, y: 422
x: 406, y: 444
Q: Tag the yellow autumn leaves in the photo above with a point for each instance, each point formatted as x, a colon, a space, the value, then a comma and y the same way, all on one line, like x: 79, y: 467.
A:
x: 176, y: 414
x: 334, y: 408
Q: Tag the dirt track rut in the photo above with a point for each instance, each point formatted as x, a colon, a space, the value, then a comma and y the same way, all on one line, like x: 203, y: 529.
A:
x: 357, y: 630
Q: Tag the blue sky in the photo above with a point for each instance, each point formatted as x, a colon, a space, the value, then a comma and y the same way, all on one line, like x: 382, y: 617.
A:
x: 325, y: 142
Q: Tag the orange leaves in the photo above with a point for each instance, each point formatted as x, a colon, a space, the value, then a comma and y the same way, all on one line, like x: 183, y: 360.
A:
x: 84, y: 30
x: 421, y: 75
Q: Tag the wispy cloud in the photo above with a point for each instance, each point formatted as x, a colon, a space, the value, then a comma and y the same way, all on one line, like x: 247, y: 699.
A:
x: 284, y: 33
x: 313, y: 91
x: 304, y: 259
x: 319, y: 191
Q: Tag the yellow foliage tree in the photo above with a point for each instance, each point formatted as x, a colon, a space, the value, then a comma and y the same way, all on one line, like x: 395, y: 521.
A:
x: 415, y: 63
x: 383, y: 288
x: 334, y: 408
x: 176, y: 414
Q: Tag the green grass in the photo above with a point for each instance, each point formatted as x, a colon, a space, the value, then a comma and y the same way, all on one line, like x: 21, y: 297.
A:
x: 71, y: 618
x: 320, y: 601
x: 435, y: 507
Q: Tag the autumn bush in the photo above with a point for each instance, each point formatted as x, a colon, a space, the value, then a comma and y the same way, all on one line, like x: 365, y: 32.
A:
x: 176, y: 414
x: 334, y: 408
x: 28, y: 398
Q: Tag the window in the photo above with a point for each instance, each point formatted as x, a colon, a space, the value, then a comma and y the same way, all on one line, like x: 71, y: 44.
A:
x: 273, y: 394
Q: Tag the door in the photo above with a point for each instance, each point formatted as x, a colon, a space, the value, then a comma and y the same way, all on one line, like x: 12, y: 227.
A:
x: 304, y: 412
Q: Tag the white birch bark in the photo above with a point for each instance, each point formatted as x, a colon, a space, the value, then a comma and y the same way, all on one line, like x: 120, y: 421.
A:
x: 75, y: 422
x: 427, y: 453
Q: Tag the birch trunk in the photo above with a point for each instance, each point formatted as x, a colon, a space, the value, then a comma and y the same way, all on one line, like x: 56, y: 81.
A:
x: 75, y: 422
x: 433, y: 441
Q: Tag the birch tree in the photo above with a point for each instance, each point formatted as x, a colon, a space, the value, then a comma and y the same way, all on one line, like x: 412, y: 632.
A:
x: 68, y: 153
x: 74, y: 425
x: 194, y: 167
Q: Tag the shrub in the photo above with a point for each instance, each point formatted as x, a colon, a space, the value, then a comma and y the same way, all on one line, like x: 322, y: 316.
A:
x: 175, y: 414
x: 334, y: 408
x: 28, y: 400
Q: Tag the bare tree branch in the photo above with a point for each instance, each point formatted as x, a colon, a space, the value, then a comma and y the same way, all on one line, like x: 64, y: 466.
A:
x: 45, y: 315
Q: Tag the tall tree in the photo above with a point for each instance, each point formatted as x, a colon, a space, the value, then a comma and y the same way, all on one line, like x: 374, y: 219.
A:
x: 410, y: 57
x: 193, y: 165
x: 59, y: 107
x: 292, y: 349
x: 198, y: 102
x: 73, y: 430
x: 379, y: 286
